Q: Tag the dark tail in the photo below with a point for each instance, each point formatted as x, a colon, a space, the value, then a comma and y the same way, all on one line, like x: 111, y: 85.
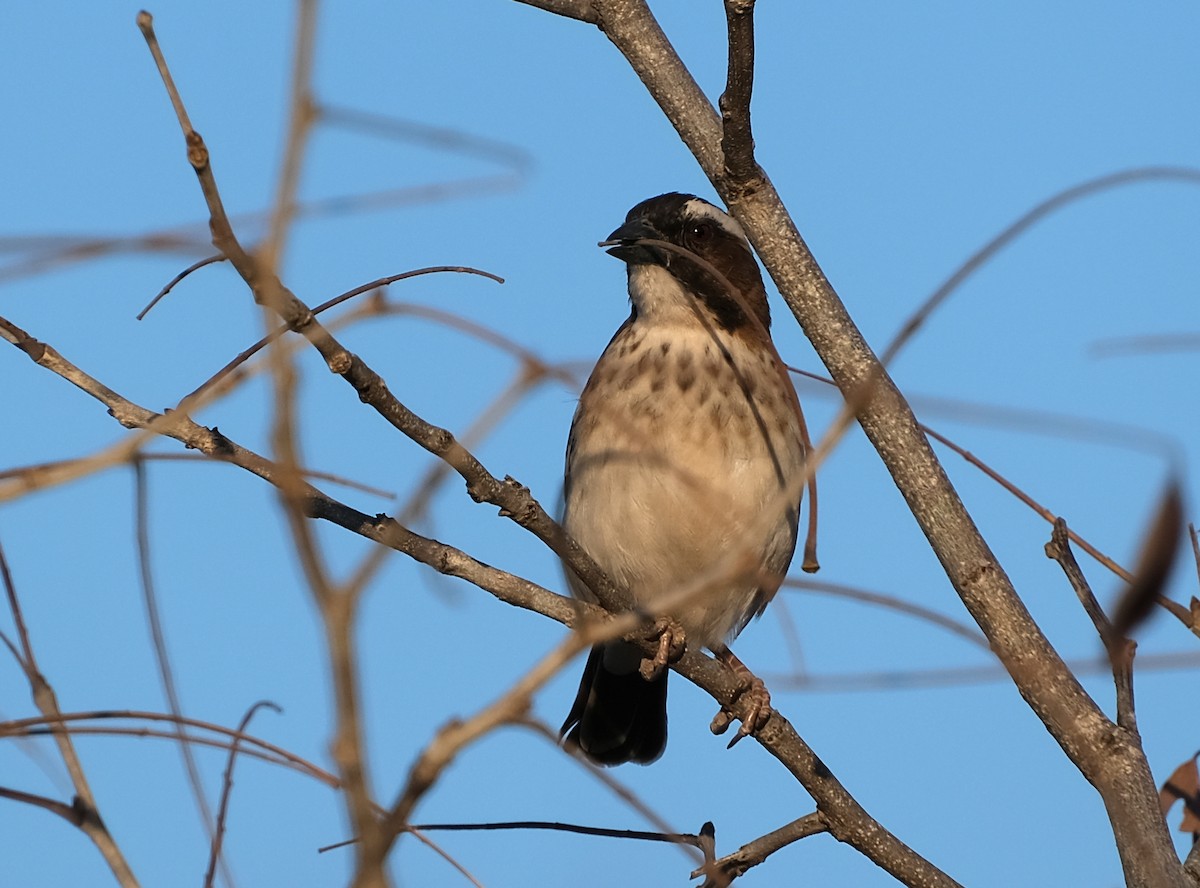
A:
x: 617, y: 715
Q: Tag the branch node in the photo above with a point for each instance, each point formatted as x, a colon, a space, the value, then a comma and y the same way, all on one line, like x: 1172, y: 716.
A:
x: 341, y: 362
x: 197, y: 151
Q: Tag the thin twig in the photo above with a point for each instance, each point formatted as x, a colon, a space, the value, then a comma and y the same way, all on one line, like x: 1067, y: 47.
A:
x: 639, y: 835
x: 302, y: 115
x: 227, y: 790
x: 890, y: 602
x: 959, y: 676
x: 1158, y: 344
x: 581, y: 10
x: 195, y: 266
x: 605, y: 776
x: 1120, y: 649
x: 442, y: 853
x: 275, y: 334
x: 161, y: 655
x: 47, y: 703
x: 67, y: 721
x: 731, y: 866
x: 67, y: 812
x: 1023, y: 223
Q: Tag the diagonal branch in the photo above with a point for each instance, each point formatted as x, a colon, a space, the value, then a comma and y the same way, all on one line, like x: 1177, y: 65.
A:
x: 86, y: 813
x: 778, y: 737
x: 1108, y: 757
x: 512, y: 498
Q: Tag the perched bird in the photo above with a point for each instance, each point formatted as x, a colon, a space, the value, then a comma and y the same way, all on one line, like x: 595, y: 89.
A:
x: 686, y: 452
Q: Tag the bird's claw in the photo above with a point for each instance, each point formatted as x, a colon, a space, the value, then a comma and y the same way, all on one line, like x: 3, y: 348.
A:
x: 671, y: 643
x: 754, y: 695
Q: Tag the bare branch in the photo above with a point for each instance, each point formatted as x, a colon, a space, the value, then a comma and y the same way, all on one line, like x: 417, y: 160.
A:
x: 84, y: 804
x: 227, y: 790
x: 890, y: 602
x: 69, y: 813
x: 737, y: 138
x: 1026, y: 221
x: 301, y: 116
x: 731, y: 866
x: 582, y: 10
x: 1110, y: 760
x: 961, y: 676
x: 512, y: 498
x: 68, y: 721
x: 195, y: 266
x: 161, y: 656
x: 1120, y: 649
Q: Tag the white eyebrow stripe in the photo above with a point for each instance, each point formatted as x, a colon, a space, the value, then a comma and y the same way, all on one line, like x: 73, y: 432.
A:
x: 696, y: 207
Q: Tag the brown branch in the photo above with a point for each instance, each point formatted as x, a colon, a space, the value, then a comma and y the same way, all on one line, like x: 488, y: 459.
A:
x: 457, y: 735
x: 442, y: 853
x: 1022, y: 224
x: 512, y: 498
x: 890, y: 602
x: 1181, y: 613
x: 31, y: 473
x: 731, y: 866
x: 227, y: 790
x: 70, y: 813
x: 158, y: 639
x: 443, y: 558
x: 1108, y: 757
x: 195, y: 266
x: 580, y: 10
x: 604, y: 776
x: 46, y: 700
x: 1120, y: 649
x: 67, y: 721
x: 737, y: 137
x: 302, y: 115
x: 375, y: 285
x: 959, y: 676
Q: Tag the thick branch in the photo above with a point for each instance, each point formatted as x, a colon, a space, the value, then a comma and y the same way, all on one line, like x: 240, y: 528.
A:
x: 1107, y: 757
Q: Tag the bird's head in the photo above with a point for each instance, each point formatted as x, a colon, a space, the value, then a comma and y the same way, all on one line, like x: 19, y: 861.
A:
x: 681, y: 244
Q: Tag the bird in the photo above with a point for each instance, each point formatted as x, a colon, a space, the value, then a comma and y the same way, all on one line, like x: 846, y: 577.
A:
x: 686, y: 453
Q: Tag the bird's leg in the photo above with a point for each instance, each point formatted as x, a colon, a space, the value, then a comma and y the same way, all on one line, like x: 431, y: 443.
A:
x: 671, y: 642
x: 752, y: 689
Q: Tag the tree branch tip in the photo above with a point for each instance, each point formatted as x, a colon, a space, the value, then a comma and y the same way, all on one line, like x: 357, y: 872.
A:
x: 145, y: 22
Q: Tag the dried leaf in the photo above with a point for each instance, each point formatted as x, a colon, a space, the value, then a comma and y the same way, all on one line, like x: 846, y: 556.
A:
x: 1184, y: 783
x: 1154, y: 563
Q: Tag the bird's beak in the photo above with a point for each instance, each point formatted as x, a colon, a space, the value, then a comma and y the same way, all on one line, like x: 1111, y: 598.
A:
x: 622, y: 243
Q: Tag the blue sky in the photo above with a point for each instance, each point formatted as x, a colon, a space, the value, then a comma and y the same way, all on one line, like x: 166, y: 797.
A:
x: 901, y: 136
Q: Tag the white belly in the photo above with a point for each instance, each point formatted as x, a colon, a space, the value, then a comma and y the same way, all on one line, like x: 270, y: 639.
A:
x: 673, y: 468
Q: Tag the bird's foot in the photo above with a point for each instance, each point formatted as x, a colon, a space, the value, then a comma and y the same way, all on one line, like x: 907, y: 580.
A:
x: 752, y: 691
x: 671, y: 642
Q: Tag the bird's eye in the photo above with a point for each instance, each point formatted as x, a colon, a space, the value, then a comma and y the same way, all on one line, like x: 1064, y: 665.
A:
x: 702, y: 232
